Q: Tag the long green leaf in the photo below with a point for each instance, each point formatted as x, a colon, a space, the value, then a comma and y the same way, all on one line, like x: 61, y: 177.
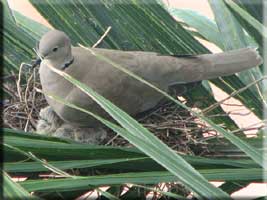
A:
x: 139, y: 163
x: 7, y: 13
x: 36, y: 166
x: 18, y: 43
x: 105, y: 156
x: 111, y: 42
x: 255, y: 8
x: 231, y: 187
x: 261, y: 29
x: 169, y: 194
x: 231, y: 32
x: 35, y: 29
x: 137, y: 178
x: 13, y: 190
x: 57, y: 151
x: 205, y: 26
x: 107, y: 194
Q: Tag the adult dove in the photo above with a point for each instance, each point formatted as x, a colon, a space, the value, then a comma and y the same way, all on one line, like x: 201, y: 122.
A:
x: 124, y: 91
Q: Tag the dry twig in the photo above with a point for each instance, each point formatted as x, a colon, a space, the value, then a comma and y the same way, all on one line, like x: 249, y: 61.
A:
x: 102, y: 37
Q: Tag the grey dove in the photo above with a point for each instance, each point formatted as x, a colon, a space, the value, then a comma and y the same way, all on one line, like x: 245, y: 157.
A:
x: 124, y: 91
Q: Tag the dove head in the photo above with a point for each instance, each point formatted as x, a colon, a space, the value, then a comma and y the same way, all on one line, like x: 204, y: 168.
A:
x: 55, y: 47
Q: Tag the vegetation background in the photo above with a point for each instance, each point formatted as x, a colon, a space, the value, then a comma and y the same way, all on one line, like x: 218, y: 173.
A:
x: 210, y: 40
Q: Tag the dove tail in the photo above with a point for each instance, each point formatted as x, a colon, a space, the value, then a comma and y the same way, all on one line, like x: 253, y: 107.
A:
x: 230, y: 62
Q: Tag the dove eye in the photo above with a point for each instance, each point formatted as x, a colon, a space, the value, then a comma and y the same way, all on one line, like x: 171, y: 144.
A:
x: 55, y: 49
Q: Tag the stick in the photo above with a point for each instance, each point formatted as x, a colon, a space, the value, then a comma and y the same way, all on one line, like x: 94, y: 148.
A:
x: 102, y: 37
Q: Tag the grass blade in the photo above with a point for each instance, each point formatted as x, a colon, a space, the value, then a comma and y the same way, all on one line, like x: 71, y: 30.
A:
x: 262, y: 30
x: 205, y: 26
x: 138, y: 178
x: 13, y: 190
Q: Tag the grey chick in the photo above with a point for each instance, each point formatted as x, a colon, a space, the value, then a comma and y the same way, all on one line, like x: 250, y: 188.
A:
x: 50, y: 124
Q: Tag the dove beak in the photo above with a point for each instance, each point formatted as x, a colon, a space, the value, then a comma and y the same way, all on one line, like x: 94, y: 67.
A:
x: 36, y: 62
x: 39, y: 58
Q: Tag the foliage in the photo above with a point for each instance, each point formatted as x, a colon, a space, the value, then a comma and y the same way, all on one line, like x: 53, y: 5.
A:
x: 147, y: 26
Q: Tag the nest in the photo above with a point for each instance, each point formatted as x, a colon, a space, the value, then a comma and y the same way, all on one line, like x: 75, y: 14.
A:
x: 175, y: 126
x: 22, y: 102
